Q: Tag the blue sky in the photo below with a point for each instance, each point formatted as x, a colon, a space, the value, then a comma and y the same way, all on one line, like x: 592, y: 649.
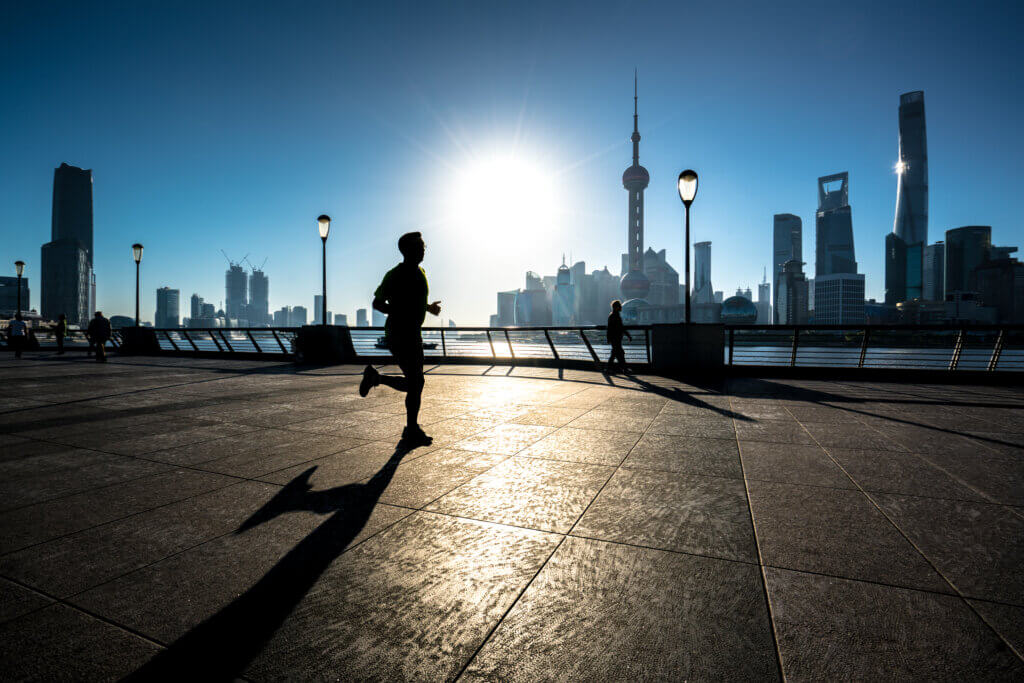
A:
x: 231, y: 126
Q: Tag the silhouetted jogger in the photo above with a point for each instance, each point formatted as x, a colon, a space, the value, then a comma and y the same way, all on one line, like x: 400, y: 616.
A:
x: 17, y: 334
x: 60, y: 330
x: 403, y: 296
x: 615, y: 331
x: 99, y: 333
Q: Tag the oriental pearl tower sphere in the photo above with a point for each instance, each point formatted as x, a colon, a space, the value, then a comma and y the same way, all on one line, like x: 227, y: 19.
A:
x: 635, y: 285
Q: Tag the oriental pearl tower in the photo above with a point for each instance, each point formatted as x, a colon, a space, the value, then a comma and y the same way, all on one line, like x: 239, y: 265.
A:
x: 635, y: 179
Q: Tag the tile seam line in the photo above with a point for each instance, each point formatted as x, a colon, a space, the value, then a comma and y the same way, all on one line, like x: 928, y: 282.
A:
x: 920, y: 552
x: 760, y: 557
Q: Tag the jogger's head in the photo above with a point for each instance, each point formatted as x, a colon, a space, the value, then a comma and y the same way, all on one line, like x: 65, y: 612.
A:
x: 616, y: 306
x: 412, y: 247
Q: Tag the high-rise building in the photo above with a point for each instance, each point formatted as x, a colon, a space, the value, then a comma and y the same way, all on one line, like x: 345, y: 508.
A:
x: 839, y: 299
x: 904, y: 247
x: 663, y: 279
x: 1000, y: 283
x: 196, y: 309
x: 209, y: 311
x: 282, y: 317
x: 933, y: 282
x: 68, y: 281
x: 167, y: 314
x: 792, y: 299
x: 635, y: 179
x: 341, y: 319
x: 236, y: 286
x: 563, y: 304
x: 506, y: 309
x: 379, y: 319
x: 787, y: 245
x: 9, y: 295
x: 258, y: 310
x: 719, y: 296
x: 703, y: 292
x: 966, y: 249
x: 318, y: 308
x: 298, y: 316
x: 764, y: 301
x: 834, y: 229
x: 361, y: 320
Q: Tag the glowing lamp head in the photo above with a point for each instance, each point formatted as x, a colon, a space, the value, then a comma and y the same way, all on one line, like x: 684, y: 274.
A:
x: 687, y: 186
x: 323, y: 223
x: 19, y: 267
x: 137, y: 252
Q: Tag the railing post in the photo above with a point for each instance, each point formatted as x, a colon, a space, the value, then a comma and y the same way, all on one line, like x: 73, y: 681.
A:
x: 955, y: 360
x: 194, y: 347
x: 253, y: 340
x: 796, y: 344
x: 226, y: 342
x: 444, y: 347
x: 168, y: 335
x: 491, y: 342
x: 590, y: 348
x: 214, y: 338
x: 997, y: 351
x: 647, y: 343
x: 732, y: 339
x: 864, y: 347
x: 554, y: 352
x: 509, y: 342
x: 279, y: 342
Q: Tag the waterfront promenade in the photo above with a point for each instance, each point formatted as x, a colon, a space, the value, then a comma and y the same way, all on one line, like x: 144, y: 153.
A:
x: 176, y: 517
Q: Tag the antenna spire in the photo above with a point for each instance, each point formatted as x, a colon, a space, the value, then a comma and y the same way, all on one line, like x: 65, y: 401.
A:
x: 636, y: 131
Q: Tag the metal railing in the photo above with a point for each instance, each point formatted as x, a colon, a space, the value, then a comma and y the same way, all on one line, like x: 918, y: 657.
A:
x: 904, y: 347
x: 501, y: 344
x: 75, y: 338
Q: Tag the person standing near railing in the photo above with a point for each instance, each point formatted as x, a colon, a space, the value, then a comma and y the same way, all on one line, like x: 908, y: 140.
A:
x: 615, y: 331
x: 60, y: 330
x: 99, y: 334
x: 402, y: 295
x: 17, y: 334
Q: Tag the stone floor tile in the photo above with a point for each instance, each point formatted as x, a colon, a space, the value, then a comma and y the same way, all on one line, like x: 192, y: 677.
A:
x: 583, y: 445
x: 414, y: 602
x: 61, y: 643
x: 774, y: 431
x: 257, y: 441
x: 673, y: 511
x: 421, y: 480
x: 829, y: 629
x: 845, y: 435
x: 508, y: 439
x: 149, y: 443
x: 347, y: 467
x: 791, y: 464
x: 684, y: 425
x: 837, y: 532
x: 999, y: 478
x: 549, y: 416
x: 599, y: 611
x: 456, y: 429
x: 55, y: 484
x: 686, y: 454
x: 305, y: 448
x: 613, y: 421
x: 338, y: 423
x: 51, y: 458
x: 16, y: 600
x: 43, y: 521
x: 895, y: 472
x: 529, y: 492
x: 977, y: 546
x: 1006, y: 620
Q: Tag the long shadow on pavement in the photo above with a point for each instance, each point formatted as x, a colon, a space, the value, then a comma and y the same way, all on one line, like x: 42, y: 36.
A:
x: 224, y: 645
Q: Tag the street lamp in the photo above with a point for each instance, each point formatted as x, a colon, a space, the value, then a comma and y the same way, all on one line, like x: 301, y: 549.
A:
x: 137, y: 255
x: 19, y: 268
x: 323, y: 223
x: 687, y: 186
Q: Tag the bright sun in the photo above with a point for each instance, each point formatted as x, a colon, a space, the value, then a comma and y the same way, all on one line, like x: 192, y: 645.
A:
x: 503, y: 195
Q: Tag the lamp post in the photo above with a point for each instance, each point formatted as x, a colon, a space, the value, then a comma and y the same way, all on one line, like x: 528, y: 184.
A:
x: 687, y: 186
x: 19, y: 268
x: 323, y: 223
x: 137, y: 255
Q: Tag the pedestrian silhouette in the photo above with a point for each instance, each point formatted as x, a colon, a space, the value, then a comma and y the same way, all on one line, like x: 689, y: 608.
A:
x: 615, y: 331
x: 17, y: 334
x: 99, y: 333
x: 60, y: 330
x: 402, y: 295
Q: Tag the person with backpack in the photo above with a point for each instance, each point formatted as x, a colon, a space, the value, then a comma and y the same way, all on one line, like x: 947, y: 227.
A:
x: 99, y: 333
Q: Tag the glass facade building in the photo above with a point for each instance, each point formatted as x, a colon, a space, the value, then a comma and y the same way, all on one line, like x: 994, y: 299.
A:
x: 904, y: 247
x: 787, y: 245
x: 834, y: 229
x: 966, y: 249
x: 68, y: 283
x: 839, y: 299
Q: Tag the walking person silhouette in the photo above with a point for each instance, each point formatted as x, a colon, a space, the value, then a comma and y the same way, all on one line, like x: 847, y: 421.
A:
x: 615, y: 331
x: 402, y: 295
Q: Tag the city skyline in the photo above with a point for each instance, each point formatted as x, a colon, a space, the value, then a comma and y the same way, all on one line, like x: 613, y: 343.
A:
x: 205, y: 195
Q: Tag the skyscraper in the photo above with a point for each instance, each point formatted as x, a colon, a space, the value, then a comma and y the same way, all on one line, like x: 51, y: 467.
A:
x: 562, y: 299
x: 361, y: 318
x: 635, y: 179
x: 966, y: 249
x: 196, y: 309
x: 298, y: 316
x: 167, y: 313
x: 834, y: 238
x: 258, y: 310
x: 792, y: 295
x: 904, y: 247
x: 9, y: 295
x: 379, y: 319
x: 703, y: 293
x: 318, y: 309
x: 933, y: 283
x: 236, y: 286
x: 663, y: 279
x: 787, y: 245
x: 839, y: 299
x: 68, y: 282
x: 764, y: 305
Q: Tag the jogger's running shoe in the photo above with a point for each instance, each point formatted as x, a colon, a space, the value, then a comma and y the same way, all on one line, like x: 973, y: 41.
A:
x: 371, y: 378
x: 415, y: 436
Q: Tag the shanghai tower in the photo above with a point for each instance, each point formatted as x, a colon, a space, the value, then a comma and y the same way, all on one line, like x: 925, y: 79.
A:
x: 904, y: 247
x: 68, y: 283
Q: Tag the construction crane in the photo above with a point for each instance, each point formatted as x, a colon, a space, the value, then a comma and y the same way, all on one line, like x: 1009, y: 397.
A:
x: 254, y: 268
x: 233, y: 263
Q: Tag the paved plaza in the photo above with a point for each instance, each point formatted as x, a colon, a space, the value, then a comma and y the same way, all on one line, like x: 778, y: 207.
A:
x: 174, y: 517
